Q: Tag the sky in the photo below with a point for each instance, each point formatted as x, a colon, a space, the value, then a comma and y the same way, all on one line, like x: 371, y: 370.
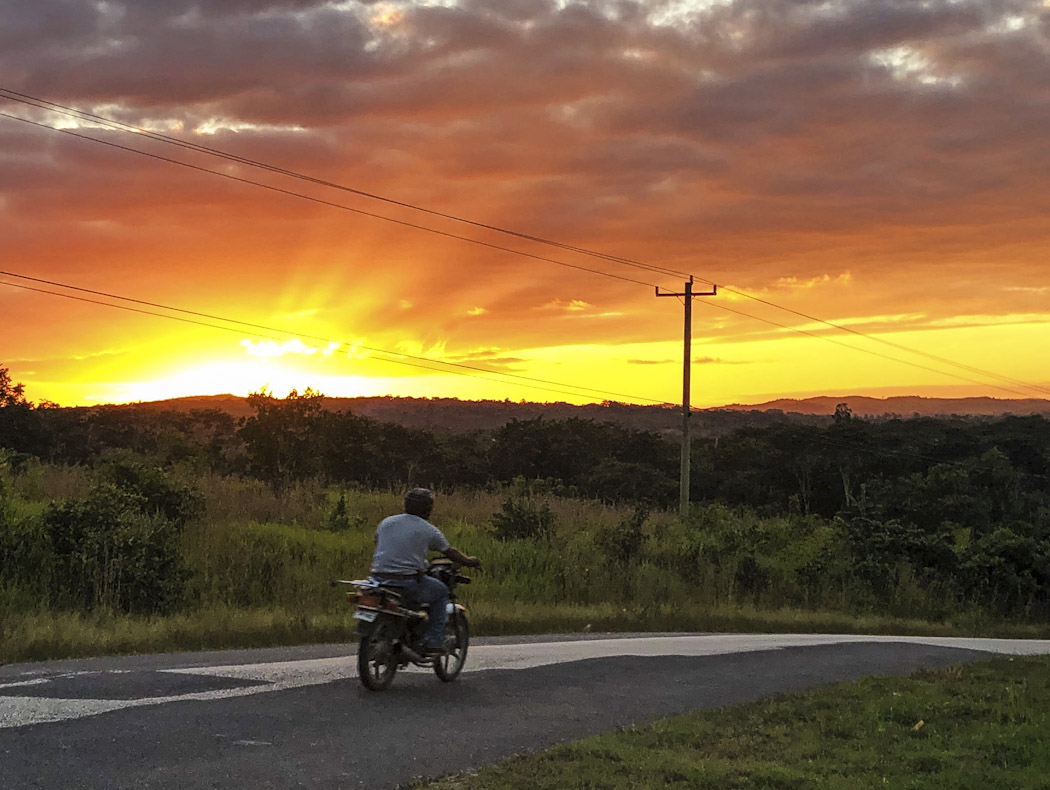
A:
x: 880, y: 165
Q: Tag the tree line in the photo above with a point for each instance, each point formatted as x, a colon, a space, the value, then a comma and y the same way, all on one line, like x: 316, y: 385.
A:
x: 968, y: 471
x: 959, y: 507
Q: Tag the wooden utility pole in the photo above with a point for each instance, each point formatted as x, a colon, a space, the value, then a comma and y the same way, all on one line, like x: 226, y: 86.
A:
x: 687, y: 359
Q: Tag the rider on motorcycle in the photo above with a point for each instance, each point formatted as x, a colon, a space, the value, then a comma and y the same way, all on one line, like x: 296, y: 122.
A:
x: 402, y: 543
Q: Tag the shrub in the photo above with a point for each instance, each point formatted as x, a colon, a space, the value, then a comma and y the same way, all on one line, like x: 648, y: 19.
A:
x: 340, y: 520
x: 521, y: 518
x: 24, y: 553
x: 160, y: 495
x: 1007, y: 572
x: 622, y: 542
x: 109, y: 554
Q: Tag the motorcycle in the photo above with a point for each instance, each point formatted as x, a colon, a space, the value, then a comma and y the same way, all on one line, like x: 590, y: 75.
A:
x: 391, y: 628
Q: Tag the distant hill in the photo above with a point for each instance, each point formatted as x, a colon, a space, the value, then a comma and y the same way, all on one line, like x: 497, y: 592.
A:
x: 451, y: 414
x: 904, y: 406
x: 457, y: 416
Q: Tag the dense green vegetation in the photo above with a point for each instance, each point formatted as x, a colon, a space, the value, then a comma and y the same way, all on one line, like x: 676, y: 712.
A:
x: 975, y: 726
x: 126, y: 513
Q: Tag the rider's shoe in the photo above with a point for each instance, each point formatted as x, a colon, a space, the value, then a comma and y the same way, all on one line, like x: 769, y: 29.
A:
x: 433, y: 652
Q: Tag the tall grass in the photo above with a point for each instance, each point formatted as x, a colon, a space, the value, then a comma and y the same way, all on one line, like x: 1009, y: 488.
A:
x: 259, y: 566
x: 240, y: 555
x: 41, y: 483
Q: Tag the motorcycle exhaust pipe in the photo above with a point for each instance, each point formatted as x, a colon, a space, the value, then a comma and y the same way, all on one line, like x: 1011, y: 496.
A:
x: 414, y: 657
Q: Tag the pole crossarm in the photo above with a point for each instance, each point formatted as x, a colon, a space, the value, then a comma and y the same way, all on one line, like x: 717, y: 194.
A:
x: 688, y: 294
x: 712, y: 292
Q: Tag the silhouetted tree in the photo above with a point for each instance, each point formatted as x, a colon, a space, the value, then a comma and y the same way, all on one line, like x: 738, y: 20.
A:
x: 20, y: 428
x: 284, y: 441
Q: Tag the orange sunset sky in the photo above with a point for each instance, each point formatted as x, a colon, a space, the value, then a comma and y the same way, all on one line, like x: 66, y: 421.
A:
x: 881, y: 165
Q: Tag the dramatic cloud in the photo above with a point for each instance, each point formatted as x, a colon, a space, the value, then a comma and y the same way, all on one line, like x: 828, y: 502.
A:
x: 882, y: 164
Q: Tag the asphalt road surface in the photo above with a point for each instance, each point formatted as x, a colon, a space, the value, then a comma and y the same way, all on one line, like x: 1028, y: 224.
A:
x: 298, y: 717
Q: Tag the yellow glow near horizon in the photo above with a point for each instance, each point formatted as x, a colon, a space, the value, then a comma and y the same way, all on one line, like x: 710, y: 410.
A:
x: 724, y: 371
x: 236, y: 377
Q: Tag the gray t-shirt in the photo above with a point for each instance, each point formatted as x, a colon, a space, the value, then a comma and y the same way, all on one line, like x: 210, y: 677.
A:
x: 402, y: 543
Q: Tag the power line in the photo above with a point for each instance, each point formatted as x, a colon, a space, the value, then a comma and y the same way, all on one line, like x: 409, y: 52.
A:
x: 843, y: 328
x: 825, y: 440
x: 115, y: 124
x: 257, y: 334
x: 257, y: 330
x: 330, y: 203
x: 899, y: 346
x: 424, y: 363
x: 494, y: 246
x: 863, y: 350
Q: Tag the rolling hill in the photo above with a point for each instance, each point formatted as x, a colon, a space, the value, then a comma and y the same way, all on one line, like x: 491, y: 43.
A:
x: 456, y: 415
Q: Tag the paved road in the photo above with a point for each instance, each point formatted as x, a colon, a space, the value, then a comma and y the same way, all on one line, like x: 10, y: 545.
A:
x: 297, y: 717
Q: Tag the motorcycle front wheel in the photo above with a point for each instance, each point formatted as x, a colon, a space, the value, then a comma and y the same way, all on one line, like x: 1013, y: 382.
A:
x: 376, y: 657
x: 457, y: 636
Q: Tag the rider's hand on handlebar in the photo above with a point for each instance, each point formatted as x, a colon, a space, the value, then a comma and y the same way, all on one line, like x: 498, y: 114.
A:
x: 473, y: 562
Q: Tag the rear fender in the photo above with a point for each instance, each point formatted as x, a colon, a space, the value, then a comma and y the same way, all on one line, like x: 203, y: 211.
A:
x: 392, y: 620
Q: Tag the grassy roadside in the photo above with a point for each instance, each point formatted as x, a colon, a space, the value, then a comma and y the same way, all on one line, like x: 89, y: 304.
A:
x: 973, y: 726
x: 45, y: 636
x: 252, y: 568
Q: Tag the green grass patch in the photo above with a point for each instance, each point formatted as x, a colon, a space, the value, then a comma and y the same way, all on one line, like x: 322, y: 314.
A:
x: 974, y: 726
x: 46, y: 636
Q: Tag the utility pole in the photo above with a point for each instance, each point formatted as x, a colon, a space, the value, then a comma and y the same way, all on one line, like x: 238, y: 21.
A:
x: 683, y: 494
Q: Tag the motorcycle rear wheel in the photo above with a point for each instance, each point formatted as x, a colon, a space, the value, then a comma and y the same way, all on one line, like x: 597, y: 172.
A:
x: 457, y: 637
x: 376, y: 656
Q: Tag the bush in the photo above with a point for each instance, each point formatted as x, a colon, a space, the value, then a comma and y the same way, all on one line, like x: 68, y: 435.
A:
x: 159, y: 494
x: 522, y: 518
x: 23, y: 549
x: 1007, y: 572
x: 622, y: 542
x: 339, y: 520
x: 107, y: 553
x: 23, y: 546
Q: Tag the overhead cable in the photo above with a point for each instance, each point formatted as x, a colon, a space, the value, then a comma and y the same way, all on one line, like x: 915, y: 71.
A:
x: 834, y: 442
x: 49, y: 106
x: 332, y: 204
x: 113, y: 123
x: 257, y: 330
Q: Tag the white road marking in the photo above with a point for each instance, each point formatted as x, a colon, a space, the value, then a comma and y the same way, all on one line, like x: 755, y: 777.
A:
x: 18, y: 711
x: 35, y: 682
x: 540, y: 654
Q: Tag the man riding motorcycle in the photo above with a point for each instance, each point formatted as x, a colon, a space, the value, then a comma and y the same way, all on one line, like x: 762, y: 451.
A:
x: 402, y: 543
